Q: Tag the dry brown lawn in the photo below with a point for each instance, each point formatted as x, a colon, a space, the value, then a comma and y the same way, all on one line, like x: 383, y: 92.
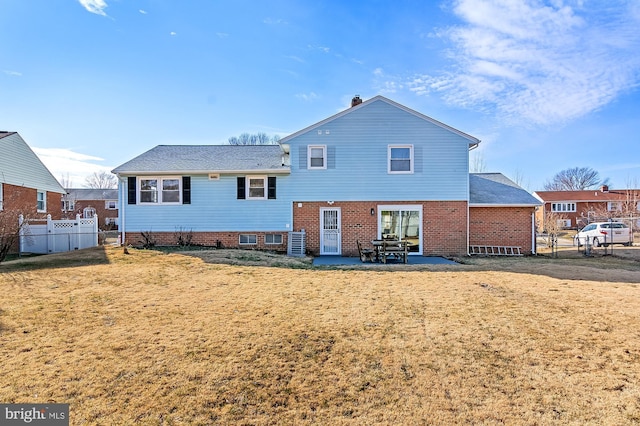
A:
x: 189, y: 338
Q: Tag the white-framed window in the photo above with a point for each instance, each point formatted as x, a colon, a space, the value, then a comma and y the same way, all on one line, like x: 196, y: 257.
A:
x: 256, y: 188
x: 317, y: 157
x: 0, y: 196
x: 400, y: 159
x: 110, y: 220
x: 41, y: 201
x: 564, y: 223
x: 110, y: 204
x: 159, y: 190
x: 563, y: 207
x: 614, y: 206
x: 248, y: 239
x: 273, y: 239
x: 68, y: 205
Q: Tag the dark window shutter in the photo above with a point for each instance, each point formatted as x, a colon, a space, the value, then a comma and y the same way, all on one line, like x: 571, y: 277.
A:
x: 241, y: 188
x: 186, y: 189
x: 271, y: 194
x: 131, y: 190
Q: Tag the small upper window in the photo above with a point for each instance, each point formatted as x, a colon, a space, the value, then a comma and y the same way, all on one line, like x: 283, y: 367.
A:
x: 256, y: 190
x: 41, y: 201
x: 400, y: 159
x: 317, y: 157
x: 111, y: 205
x: 563, y: 207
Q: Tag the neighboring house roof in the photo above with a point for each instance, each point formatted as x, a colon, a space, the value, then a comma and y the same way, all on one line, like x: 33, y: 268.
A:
x: 89, y: 194
x: 207, y: 159
x: 495, y: 189
x: 588, y: 196
x: 473, y: 142
x: 20, y: 166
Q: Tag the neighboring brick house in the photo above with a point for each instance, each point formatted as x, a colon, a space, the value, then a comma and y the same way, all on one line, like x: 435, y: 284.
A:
x: 27, y: 187
x: 88, y: 202
x: 575, y: 209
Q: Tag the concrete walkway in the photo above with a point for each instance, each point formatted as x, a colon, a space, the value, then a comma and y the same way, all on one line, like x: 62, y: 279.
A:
x: 412, y: 260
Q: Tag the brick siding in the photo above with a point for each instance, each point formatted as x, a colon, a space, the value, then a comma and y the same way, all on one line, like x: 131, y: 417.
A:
x: 212, y: 239
x: 444, y: 225
x: 501, y: 226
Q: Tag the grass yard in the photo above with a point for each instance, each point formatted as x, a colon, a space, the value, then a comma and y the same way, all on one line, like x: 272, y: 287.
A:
x: 216, y: 337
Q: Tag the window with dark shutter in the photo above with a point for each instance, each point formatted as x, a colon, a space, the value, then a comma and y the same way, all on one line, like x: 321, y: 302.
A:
x: 131, y: 190
x: 271, y: 187
x: 241, y: 188
x: 186, y: 190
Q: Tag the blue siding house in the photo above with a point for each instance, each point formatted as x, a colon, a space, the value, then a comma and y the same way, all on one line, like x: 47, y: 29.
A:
x: 374, y: 170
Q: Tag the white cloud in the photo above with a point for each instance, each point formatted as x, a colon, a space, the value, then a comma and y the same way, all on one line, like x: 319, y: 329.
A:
x: 308, y: 97
x: 95, y: 6
x: 222, y: 35
x: 67, y: 164
x: 172, y: 33
x: 12, y: 73
x: 144, y: 12
x: 271, y: 21
x: 538, y: 63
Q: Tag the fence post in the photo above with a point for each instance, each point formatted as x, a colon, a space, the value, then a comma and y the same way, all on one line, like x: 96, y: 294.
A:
x: 21, y: 233
x: 76, y: 231
x: 95, y: 231
x: 50, y: 235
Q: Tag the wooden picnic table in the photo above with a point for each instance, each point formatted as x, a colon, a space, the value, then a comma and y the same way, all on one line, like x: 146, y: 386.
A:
x: 396, y: 249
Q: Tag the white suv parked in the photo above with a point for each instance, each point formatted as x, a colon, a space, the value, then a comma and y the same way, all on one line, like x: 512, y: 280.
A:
x: 603, y: 234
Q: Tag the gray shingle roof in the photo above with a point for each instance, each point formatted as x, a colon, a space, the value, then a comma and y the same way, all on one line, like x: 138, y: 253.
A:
x: 206, y: 159
x: 497, y: 189
x: 92, y: 194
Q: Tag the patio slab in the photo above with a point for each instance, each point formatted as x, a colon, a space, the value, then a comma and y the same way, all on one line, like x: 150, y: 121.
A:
x: 412, y: 260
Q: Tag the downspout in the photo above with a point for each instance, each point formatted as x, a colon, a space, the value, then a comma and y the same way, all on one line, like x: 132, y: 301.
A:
x: 122, y: 209
x: 468, y: 228
x: 533, y: 232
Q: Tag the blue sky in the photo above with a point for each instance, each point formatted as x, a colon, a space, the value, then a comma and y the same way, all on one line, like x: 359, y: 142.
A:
x: 546, y: 85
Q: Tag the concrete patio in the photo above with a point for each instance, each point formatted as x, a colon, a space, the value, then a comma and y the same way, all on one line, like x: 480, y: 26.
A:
x: 412, y: 260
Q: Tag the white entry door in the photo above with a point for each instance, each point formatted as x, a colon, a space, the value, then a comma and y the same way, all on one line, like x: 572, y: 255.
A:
x: 330, y: 238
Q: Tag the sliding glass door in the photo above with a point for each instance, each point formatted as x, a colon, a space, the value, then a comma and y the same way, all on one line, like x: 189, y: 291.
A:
x: 402, y: 222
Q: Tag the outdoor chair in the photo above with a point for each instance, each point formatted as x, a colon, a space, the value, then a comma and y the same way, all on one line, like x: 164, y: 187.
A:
x: 366, y: 254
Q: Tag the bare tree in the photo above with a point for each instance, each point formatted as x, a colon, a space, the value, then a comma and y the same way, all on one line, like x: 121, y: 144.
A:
x: 478, y: 164
x: 575, y: 179
x: 101, y: 180
x: 66, y: 181
x: 10, y: 225
x: 554, y: 223
x: 254, y: 139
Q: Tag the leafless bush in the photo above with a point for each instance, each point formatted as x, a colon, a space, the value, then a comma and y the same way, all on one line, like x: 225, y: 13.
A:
x: 148, y: 239
x: 183, y: 237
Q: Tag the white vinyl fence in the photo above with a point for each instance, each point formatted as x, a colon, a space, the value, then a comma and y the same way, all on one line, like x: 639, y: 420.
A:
x: 55, y: 236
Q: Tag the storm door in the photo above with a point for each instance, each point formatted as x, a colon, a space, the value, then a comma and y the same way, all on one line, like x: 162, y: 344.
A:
x: 330, y: 238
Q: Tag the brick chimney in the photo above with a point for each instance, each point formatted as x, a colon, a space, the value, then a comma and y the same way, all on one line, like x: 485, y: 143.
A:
x: 356, y: 101
x: 604, y: 188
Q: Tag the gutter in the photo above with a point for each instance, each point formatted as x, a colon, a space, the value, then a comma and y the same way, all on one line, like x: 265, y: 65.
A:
x: 203, y: 172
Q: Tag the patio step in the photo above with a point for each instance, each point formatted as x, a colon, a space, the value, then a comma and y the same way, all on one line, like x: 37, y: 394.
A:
x: 495, y: 250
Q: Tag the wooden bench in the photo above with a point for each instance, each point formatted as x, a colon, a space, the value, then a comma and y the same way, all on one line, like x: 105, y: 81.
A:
x: 394, y: 249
